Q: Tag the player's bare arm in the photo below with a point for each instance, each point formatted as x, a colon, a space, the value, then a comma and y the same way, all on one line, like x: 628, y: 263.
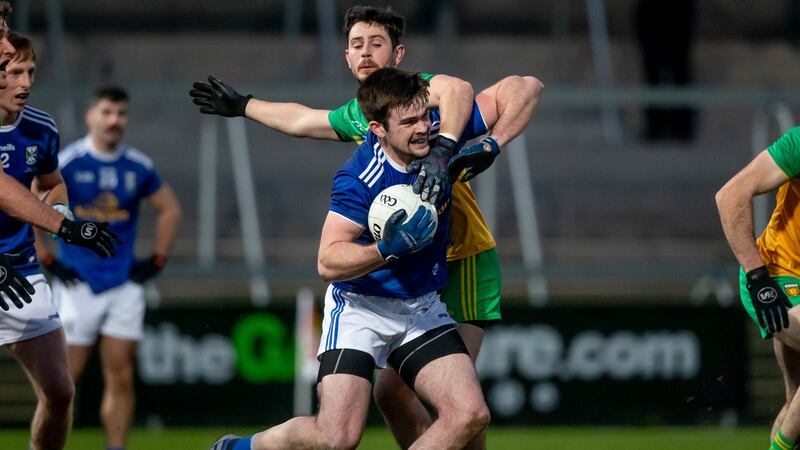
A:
x: 735, y: 205
x: 294, y: 119
x: 453, y: 96
x: 340, y: 257
x: 168, y: 217
x: 506, y: 108
x: 50, y: 188
x: 20, y: 203
x: 508, y: 105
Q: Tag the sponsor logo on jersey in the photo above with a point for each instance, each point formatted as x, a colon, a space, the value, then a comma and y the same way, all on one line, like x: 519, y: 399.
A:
x: 435, y: 269
x: 3, y: 274
x: 104, y: 208
x: 30, y: 154
x: 84, y: 176
x: 7, y: 148
x: 792, y: 289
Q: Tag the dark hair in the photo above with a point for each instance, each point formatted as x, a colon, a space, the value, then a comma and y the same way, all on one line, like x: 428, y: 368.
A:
x: 389, y: 88
x: 113, y: 94
x: 5, y: 10
x: 394, y: 24
x: 24, y: 47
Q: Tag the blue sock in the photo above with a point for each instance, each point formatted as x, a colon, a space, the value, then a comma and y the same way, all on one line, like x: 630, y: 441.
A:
x: 243, y: 443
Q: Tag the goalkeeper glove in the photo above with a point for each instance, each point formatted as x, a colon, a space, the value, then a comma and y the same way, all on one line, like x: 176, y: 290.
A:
x: 216, y: 97
x: 432, y: 178
x: 57, y: 269
x: 769, y: 301
x: 476, y: 158
x: 13, y: 285
x: 92, y: 235
x: 402, y: 238
x: 146, y: 269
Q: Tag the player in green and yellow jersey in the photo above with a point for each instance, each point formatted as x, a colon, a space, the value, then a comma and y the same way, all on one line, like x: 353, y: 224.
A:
x: 473, y: 292
x: 770, y: 265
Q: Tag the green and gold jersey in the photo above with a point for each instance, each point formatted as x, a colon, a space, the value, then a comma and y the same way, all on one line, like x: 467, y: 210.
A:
x: 779, y: 244
x: 469, y: 233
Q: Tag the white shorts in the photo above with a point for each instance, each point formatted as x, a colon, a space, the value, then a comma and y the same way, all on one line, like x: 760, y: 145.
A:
x: 34, y: 319
x: 117, y: 312
x: 378, y: 325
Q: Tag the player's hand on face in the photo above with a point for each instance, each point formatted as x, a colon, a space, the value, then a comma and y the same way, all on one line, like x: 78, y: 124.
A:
x: 216, y: 97
x: 432, y: 178
x: 57, y: 269
x: 771, y: 304
x: 13, y: 285
x: 146, y: 269
x: 92, y: 235
x: 401, y: 238
x: 476, y: 158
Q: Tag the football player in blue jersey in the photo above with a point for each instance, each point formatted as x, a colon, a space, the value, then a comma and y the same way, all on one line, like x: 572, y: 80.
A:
x: 29, y: 144
x: 107, y: 180
x: 382, y: 306
x: 374, y: 36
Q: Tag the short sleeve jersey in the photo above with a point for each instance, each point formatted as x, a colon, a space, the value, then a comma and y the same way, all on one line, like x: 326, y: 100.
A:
x: 779, y: 244
x: 469, y: 233
x: 28, y: 148
x: 106, y: 187
x: 368, y: 172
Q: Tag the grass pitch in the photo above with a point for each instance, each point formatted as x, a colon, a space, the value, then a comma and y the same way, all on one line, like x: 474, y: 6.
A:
x: 530, y: 438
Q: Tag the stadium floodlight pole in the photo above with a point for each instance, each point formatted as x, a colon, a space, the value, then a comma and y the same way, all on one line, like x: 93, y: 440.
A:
x: 248, y: 211
x: 207, y: 195
x: 601, y: 54
x: 527, y: 222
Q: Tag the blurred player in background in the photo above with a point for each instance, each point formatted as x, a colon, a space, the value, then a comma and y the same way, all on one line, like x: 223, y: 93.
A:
x: 770, y: 266
x: 473, y: 292
x: 383, y: 306
x: 107, y: 179
x: 29, y: 144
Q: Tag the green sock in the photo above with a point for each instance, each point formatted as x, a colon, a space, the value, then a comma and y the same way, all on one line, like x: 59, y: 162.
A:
x: 781, y: 442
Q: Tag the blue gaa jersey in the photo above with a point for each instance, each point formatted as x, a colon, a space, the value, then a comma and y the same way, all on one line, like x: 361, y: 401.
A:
x: 368, y: 172
x: 28, y: 148
x: 106, y: 187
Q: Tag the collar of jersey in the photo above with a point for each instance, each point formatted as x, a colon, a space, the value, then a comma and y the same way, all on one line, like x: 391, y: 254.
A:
x: 7, y: 128
x: 103, y: 156
x: 395, y: 165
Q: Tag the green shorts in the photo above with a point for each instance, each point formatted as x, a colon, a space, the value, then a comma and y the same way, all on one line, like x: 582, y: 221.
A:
x: 789, y: 285
x: 473, y: 288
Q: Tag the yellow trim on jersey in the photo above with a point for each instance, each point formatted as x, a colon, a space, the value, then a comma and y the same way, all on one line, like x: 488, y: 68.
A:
x: 469, y: 233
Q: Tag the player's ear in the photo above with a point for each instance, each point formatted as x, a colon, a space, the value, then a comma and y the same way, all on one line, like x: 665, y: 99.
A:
x: 377, y: 129
x: 346, y: 59
x: 399, y: 53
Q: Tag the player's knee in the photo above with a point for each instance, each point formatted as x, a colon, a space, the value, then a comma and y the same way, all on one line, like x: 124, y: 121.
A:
x: 472, y: 417
x: 58, y: 393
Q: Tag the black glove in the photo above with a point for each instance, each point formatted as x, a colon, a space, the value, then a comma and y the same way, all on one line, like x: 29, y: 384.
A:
x: 145, y: 269
x: 12, y: 283
x: 769, y: 301
x: 476, y: 158
x: 433, y: 169
x: 57, y: 269
x: 216, y: 97
x: 92, y: 235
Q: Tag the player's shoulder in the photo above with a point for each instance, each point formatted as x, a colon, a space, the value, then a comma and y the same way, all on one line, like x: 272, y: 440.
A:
x: 72, y: 152
x: 367, y: 155
x: 138, y: 157
x: 38, y: 118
